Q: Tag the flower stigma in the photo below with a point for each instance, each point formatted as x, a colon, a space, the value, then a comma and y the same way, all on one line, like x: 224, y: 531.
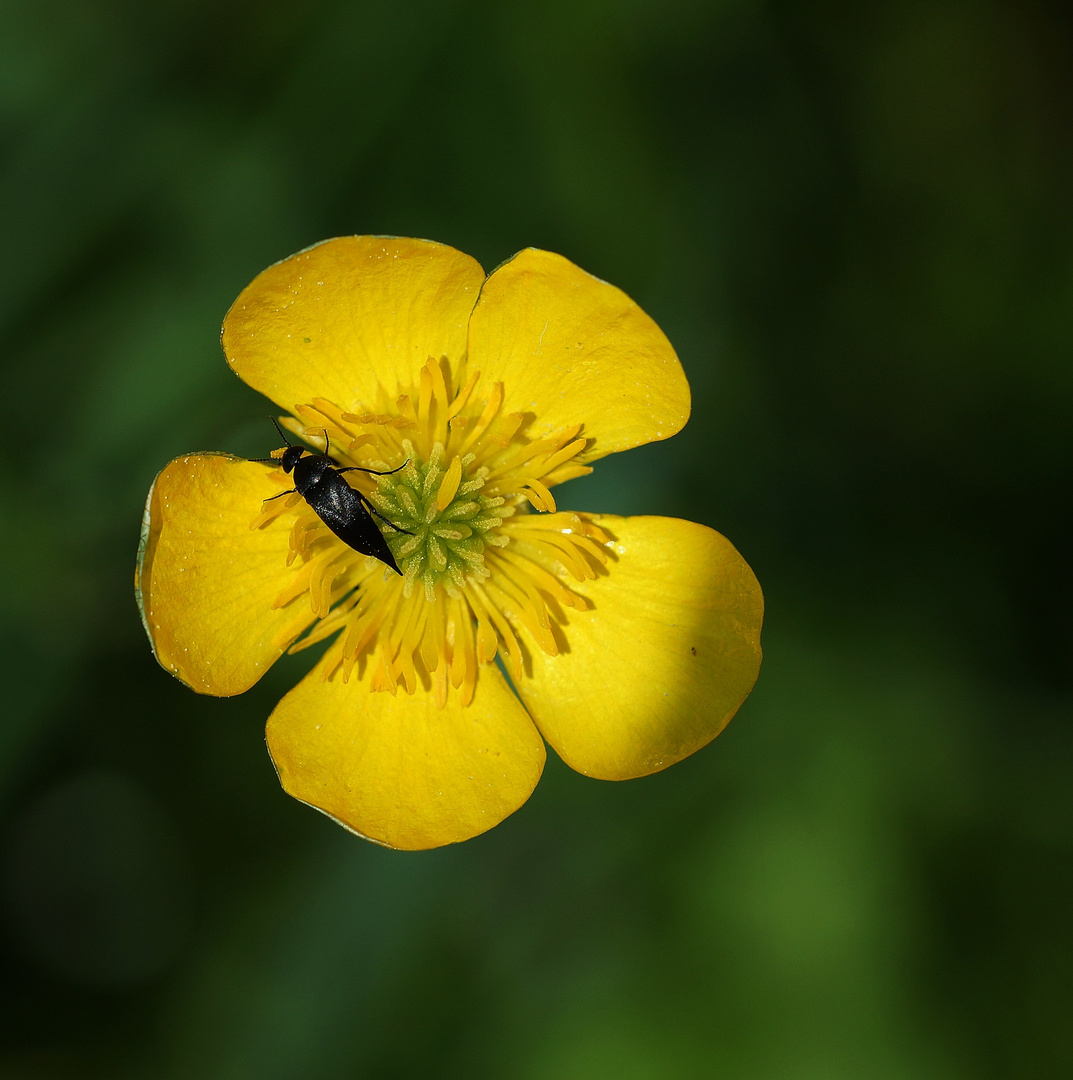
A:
x: 482, y: 574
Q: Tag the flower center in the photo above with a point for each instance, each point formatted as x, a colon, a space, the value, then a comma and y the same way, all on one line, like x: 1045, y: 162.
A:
x: 481, y: 573
x: 449, y: 520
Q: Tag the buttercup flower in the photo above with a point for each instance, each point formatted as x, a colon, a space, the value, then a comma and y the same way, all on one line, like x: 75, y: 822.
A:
x: 629, y: 642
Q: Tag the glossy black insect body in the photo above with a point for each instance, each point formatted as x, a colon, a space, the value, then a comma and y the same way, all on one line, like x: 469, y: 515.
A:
x: 344, y: 509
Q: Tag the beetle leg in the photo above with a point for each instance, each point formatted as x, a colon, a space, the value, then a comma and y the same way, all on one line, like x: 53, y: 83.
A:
x: 373, y: 510
x: 271, y: 497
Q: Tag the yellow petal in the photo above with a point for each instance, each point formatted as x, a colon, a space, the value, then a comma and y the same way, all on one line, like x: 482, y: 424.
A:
x: 348, y: 315
x: 206, y: 581
x: 570, y: 348
x: 662, y: 661
x: 398, y: 770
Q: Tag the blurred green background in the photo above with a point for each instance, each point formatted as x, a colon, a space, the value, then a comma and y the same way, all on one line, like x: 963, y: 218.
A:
x: 854, y: 222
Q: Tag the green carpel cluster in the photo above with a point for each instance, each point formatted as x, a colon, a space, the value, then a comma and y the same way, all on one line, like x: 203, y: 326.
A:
x: 444, y: 544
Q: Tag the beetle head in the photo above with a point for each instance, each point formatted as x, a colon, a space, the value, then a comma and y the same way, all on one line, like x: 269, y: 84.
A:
x: 291, y: 457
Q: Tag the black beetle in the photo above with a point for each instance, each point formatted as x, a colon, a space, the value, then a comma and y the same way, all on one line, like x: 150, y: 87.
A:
x: 342, y: 508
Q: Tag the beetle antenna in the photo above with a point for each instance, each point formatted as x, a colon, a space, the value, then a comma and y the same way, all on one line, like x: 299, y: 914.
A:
x: 282, y: 435
x: 373, y: 472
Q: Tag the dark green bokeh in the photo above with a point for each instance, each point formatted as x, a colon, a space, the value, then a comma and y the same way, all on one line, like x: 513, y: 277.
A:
x: 854, y: 223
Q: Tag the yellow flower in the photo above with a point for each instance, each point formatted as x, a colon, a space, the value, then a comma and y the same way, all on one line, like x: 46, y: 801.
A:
x: 630, y: 642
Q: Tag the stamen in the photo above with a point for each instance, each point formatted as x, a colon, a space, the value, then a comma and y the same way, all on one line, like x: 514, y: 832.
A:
x: 563, y: 455
x: 538, y: 495
x: 570, y: 471
x: 433, y: 644
x: 479, y: 600
x: 486, y: 417
x: 329, y: 625
x: 439, y: 386
x: 545, y: 581
x: 505, y: 431
x: 406, y: 408
x: 462, y: 397
x: 360, y: 441
x: 449, y: 486
x: 424, y: 400
x: 316, y: 424
x: 330, y: 411
x: 285, y: 636
x: 299, y: 584
x: 272, y: 508
x: 325, y: 570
